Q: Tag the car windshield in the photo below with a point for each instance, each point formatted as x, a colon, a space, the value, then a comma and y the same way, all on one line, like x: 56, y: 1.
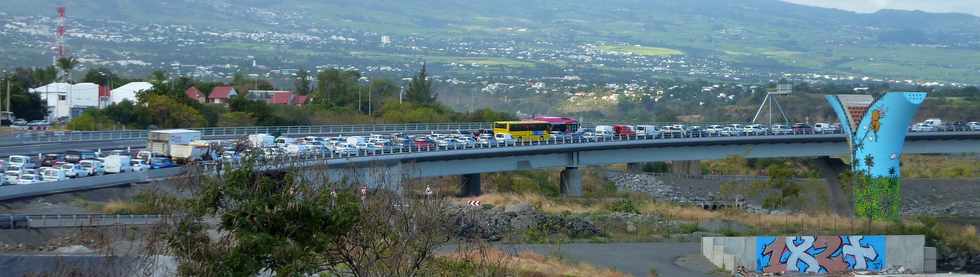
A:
x: 16, y: 159
x: 27, y: 177
x: 67, y: 166
x: 86, y: 164
x: 10, y: 173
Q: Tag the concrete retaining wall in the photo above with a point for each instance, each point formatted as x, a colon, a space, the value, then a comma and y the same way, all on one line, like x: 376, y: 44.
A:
x: 820, y: 253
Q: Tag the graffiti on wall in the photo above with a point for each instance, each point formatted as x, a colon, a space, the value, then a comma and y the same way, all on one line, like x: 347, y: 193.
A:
x: 820, y: 254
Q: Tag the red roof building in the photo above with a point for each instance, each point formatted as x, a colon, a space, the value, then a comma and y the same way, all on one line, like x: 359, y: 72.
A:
x: 300, y: 100
x: 194, y: 93
x: 281, y: 98
x: 222, y: 94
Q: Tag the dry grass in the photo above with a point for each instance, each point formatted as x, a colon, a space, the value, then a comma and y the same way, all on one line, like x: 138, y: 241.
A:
x: 528, y: 263
x: 541, y: 203
x: 123, y: 207
x: 787, y: 223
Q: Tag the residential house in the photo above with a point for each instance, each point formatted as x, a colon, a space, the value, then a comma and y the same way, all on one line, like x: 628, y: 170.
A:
x: 195, y: 94
x: 222, y: 94
x: 129, y: 91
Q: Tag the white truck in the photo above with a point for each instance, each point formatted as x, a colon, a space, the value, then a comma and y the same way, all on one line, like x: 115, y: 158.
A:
x: 161, y: 142
x: 261, y: 140
x: 195, y: 151
x: 117, y: 164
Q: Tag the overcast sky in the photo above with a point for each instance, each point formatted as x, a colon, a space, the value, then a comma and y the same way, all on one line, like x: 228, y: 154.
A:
x: 962, y: 6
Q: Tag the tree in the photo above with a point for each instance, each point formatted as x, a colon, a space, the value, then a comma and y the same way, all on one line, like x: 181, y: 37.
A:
x: 420, y: 89
x: 67, y: 64
x: 337, y: 87
x: 24, y: 104
x: 165, y: 112
x: 233, y: 119
x: 277, y: 223
x: 158, y: 78
x: 302, y: 82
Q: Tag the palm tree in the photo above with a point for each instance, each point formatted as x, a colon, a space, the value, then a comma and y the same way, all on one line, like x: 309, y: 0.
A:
x: 67, y: 64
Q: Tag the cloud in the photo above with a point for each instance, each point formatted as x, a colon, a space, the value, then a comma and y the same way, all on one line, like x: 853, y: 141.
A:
x: 960, y: 6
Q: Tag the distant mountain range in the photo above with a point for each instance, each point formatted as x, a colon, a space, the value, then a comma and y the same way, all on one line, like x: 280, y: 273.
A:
x: 755, y: 34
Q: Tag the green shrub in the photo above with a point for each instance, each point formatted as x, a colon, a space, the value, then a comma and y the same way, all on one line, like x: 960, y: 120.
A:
x: 624, y: 206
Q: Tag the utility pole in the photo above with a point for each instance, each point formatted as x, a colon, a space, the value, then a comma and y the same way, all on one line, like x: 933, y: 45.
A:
x: 370, y: 104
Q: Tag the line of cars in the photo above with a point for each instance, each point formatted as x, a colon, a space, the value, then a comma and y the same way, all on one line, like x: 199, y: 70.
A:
x: 714, y: 130
x: 938, y: 125
x: 25, y: 169
x: 360, y: 145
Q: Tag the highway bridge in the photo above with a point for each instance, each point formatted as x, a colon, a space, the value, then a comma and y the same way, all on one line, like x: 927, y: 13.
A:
x: 387, y: 168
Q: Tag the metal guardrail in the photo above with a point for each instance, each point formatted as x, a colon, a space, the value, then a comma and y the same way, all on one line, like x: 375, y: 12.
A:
x: 91, y: 220
x: 226, y: 132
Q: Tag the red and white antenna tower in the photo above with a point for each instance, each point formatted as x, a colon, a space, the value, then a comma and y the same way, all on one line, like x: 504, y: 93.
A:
x: 59, y: 36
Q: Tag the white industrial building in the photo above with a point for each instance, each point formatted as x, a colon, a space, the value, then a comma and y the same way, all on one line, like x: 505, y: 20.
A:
x: 68, y: 100
x: 129, y: 91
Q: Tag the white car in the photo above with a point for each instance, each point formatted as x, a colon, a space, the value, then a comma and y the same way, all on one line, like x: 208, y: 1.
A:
x: 138, y: 165
x: 21, y: 161
x: 92, y: 167
x: 922, y: 127
x: 11, y: 176
x: 27, y: 179
x: 779, y: 129
x: 754, y: 130
x: 713, y: 130
x: 975, y: 126
x: 51, y: 174
x: 73, y: 170
x: 344, y: 149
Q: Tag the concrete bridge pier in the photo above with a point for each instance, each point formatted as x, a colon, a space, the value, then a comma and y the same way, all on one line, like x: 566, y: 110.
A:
x: 470, y: 185
x: 692, y: 168
x: 634, y: 167
x: 571, y: 182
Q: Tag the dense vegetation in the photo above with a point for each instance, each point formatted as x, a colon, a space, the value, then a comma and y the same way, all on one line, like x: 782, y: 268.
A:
x: 339, y: 96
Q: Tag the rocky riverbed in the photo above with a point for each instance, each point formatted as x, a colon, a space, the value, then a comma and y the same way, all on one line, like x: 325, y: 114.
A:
x: 945, y: 198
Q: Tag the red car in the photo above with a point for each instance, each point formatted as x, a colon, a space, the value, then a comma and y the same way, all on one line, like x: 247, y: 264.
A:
x: 624, y: 130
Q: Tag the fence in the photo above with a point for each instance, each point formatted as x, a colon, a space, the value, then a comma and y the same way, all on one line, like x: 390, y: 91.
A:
x: 89, y: 220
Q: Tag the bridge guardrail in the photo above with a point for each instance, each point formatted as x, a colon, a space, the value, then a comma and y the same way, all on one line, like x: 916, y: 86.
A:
x: 224, y: 132
x: 91, y: 220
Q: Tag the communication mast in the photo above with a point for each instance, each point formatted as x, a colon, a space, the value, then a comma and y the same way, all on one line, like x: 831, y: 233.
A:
x: 59, y: 36
x: 781, y: 89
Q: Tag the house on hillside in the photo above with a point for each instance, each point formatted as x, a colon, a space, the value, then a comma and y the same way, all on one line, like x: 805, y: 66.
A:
x: 222, y: 94
x: 195, y: 94
x: 288, y: 98
x: 128, y: 92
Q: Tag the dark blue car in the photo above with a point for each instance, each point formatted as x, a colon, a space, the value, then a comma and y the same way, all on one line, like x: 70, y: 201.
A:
x: 157, y: 163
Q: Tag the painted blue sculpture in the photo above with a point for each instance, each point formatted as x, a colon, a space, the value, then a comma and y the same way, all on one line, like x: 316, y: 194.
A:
x: 876, y: 131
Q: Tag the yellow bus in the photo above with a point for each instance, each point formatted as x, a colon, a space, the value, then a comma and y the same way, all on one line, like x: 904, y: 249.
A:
x: 524, y: 130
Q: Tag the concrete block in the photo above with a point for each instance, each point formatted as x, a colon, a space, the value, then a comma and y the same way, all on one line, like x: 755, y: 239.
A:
x: 930, y: 253
x: 747, y: 257
x: 728, y: 262
x: 929, y: 266
x: 906, y: 251
x: 707, y: 245
x: 717, y: 255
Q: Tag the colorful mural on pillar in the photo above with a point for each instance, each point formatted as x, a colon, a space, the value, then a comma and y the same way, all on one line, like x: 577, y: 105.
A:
x: 876, y: 131
x: 820, y: 254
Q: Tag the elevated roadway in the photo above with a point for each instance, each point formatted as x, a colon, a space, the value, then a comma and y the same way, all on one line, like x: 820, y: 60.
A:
x: 386, y: 169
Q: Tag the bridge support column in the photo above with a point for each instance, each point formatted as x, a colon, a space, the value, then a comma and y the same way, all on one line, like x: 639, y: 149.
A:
x: 470, y: 185
x: 571, y: 182
x: 692, y: 168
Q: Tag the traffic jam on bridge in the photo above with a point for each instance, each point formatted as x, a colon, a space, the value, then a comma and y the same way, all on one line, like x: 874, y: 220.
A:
x: 170, y: 148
